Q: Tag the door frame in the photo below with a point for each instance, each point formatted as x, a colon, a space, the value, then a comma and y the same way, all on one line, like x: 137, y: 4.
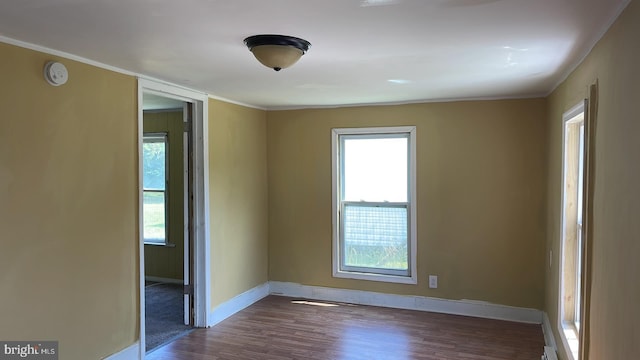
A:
x: 200, y: 185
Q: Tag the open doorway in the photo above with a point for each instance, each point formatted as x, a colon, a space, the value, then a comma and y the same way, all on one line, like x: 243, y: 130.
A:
x: 165, y: 220
x: 173, y: 231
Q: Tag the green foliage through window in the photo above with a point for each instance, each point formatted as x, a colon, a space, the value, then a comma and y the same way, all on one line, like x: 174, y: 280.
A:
x: 154, y: 150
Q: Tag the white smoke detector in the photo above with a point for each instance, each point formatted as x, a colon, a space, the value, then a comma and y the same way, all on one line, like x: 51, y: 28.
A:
x: 55, y: 73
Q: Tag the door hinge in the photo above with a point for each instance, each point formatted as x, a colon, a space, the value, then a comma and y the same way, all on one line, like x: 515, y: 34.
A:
x: 187, y: 126
x: 188, y: 289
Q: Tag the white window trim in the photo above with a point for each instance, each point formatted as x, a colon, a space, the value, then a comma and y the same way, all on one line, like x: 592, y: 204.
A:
x: 161, y: 137
x: 569, y: 334
x: 335, y: 204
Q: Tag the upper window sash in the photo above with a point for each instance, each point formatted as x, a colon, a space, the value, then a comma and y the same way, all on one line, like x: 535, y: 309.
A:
x: 151, y: 138
x: 342, y: 154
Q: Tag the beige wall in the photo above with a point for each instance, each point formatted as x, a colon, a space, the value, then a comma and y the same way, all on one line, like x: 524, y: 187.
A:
x: 615, y: 295
x: 68, y: 208
x: 481, y: 185
x: 238, y: 199
x: 164, y: 261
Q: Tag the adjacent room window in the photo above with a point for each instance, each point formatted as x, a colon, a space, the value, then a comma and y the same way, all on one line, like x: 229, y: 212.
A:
x: 155, y: 170
x: 374, y: 214
x: 572, y: 232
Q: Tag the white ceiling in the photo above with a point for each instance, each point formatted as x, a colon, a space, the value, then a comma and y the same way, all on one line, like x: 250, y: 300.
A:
x: 363, y: 51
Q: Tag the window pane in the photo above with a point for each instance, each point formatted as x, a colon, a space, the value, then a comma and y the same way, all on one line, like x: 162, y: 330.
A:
x: 154, y: 160
x: 154, y: 216
x: 375, y: 237
x: 375, y: 170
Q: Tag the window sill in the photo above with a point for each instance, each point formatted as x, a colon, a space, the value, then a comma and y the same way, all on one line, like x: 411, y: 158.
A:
x: 169, y: 245
x: 569, y: 335
x: 375, y: 277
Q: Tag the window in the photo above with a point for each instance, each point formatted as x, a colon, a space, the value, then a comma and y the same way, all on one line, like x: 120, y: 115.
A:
x: 572, y: 230
x: 374, y: 214
x: 155, y: 170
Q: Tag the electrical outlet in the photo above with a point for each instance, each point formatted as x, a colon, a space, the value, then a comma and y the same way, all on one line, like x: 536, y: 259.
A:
x: 433, y: 281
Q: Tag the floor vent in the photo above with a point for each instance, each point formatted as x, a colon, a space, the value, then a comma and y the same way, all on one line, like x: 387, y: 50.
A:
x: 549, y: 354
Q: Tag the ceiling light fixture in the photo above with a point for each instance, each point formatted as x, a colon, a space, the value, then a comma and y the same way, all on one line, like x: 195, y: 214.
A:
x: 277, y: 51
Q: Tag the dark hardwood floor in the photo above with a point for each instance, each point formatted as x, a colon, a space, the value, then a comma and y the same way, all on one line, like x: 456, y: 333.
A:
x: 281, y: 328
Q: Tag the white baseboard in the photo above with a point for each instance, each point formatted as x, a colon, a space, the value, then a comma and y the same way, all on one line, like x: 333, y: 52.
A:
x: 238, y: 303
x: 129, y: 353
x: 164, y: 280
x: 549, y: 338
x: 411, y: 302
